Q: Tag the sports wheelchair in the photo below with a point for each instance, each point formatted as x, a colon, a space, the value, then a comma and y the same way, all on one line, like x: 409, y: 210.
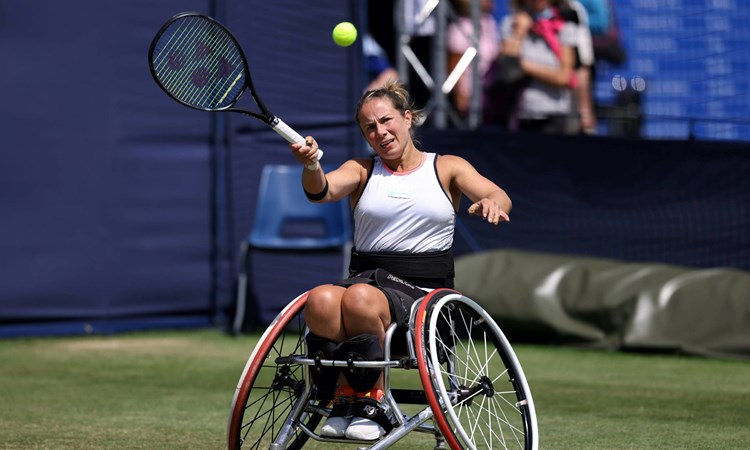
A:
x: 474, y: 393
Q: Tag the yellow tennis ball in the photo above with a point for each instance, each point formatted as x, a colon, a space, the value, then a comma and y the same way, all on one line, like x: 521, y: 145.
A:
x: 344, y: 34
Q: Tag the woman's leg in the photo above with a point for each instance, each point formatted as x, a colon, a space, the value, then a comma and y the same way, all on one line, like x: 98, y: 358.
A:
x: 322, y: 315
x: 325, y: 317
x: 365, y: 309
x: 323, y: 312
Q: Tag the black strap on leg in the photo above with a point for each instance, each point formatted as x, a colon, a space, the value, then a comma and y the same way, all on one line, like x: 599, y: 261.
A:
x: 363, y: 347
x: 323, y: 377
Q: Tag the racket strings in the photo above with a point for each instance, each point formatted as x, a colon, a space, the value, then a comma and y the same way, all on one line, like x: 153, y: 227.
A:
x: 199, y: 63
x: 199, y: 38
x: 203, y: 80
x: 172, y: 57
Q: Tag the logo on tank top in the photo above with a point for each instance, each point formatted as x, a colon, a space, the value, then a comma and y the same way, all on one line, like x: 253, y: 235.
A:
x: 399, y: 194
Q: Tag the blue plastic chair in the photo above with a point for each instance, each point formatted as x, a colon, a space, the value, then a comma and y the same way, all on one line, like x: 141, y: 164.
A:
x: 285, y: 220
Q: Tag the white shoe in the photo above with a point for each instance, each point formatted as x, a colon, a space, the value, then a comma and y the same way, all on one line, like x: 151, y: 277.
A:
x: 335, y: 427
x: 364, y: 429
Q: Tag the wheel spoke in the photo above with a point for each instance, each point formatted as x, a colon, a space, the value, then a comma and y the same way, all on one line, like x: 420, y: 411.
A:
x: 478, y: 395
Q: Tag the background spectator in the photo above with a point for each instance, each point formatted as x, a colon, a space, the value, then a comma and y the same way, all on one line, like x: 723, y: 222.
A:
x: 459, y: 39
x: 584, y: 118
x: 543, y: 40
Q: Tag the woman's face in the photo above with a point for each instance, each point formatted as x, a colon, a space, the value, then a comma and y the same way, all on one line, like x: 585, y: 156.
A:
x: 385, y: 128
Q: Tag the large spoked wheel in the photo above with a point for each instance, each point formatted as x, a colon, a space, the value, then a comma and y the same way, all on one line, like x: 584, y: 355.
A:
x: 269, y: 391
x: 472, y: 379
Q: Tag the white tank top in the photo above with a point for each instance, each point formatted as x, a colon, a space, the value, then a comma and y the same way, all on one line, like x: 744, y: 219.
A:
x: 404, y: 212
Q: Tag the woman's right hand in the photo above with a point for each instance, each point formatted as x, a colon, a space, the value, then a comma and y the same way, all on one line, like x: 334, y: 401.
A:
x: 305, y: 152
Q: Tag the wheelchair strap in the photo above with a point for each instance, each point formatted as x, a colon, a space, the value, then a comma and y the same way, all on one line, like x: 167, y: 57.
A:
x: 437, y: 267
x: 386, y: 280
x: 374, y: 411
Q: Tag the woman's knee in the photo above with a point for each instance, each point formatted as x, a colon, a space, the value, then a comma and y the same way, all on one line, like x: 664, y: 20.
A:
x: 362, y: 301
x: 323, y: 302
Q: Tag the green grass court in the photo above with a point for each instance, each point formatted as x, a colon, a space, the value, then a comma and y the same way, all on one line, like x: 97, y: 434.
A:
x: 172, y: 390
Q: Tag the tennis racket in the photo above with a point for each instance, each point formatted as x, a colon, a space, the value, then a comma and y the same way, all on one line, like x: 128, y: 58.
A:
x: 199, y: 63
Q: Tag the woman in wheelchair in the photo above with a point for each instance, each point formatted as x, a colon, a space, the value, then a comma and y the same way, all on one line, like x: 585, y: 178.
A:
x: 404, y: 202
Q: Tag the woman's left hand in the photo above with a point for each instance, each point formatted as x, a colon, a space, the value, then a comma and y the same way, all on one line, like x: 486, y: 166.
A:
x: 489, y: 211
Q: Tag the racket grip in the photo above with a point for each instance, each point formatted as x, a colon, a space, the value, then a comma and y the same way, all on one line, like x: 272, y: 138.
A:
x: 292, y: 136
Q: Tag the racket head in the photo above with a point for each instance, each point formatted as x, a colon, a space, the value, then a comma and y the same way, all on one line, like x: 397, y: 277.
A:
x: 199, y: 63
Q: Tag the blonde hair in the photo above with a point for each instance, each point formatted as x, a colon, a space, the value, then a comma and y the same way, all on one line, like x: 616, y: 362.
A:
x: 399, y: 97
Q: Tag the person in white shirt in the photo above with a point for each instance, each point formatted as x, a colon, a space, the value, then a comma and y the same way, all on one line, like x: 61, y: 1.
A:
x: 535, y: 31
x: 404, y: 203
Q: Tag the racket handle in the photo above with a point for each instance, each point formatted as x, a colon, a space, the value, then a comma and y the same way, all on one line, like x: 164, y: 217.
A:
x: 292, y: 136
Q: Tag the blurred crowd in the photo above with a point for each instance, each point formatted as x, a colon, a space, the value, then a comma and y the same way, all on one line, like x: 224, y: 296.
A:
x: 535, y: 61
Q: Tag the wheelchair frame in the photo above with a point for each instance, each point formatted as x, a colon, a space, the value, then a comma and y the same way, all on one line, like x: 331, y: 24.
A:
x: 274, y: 404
